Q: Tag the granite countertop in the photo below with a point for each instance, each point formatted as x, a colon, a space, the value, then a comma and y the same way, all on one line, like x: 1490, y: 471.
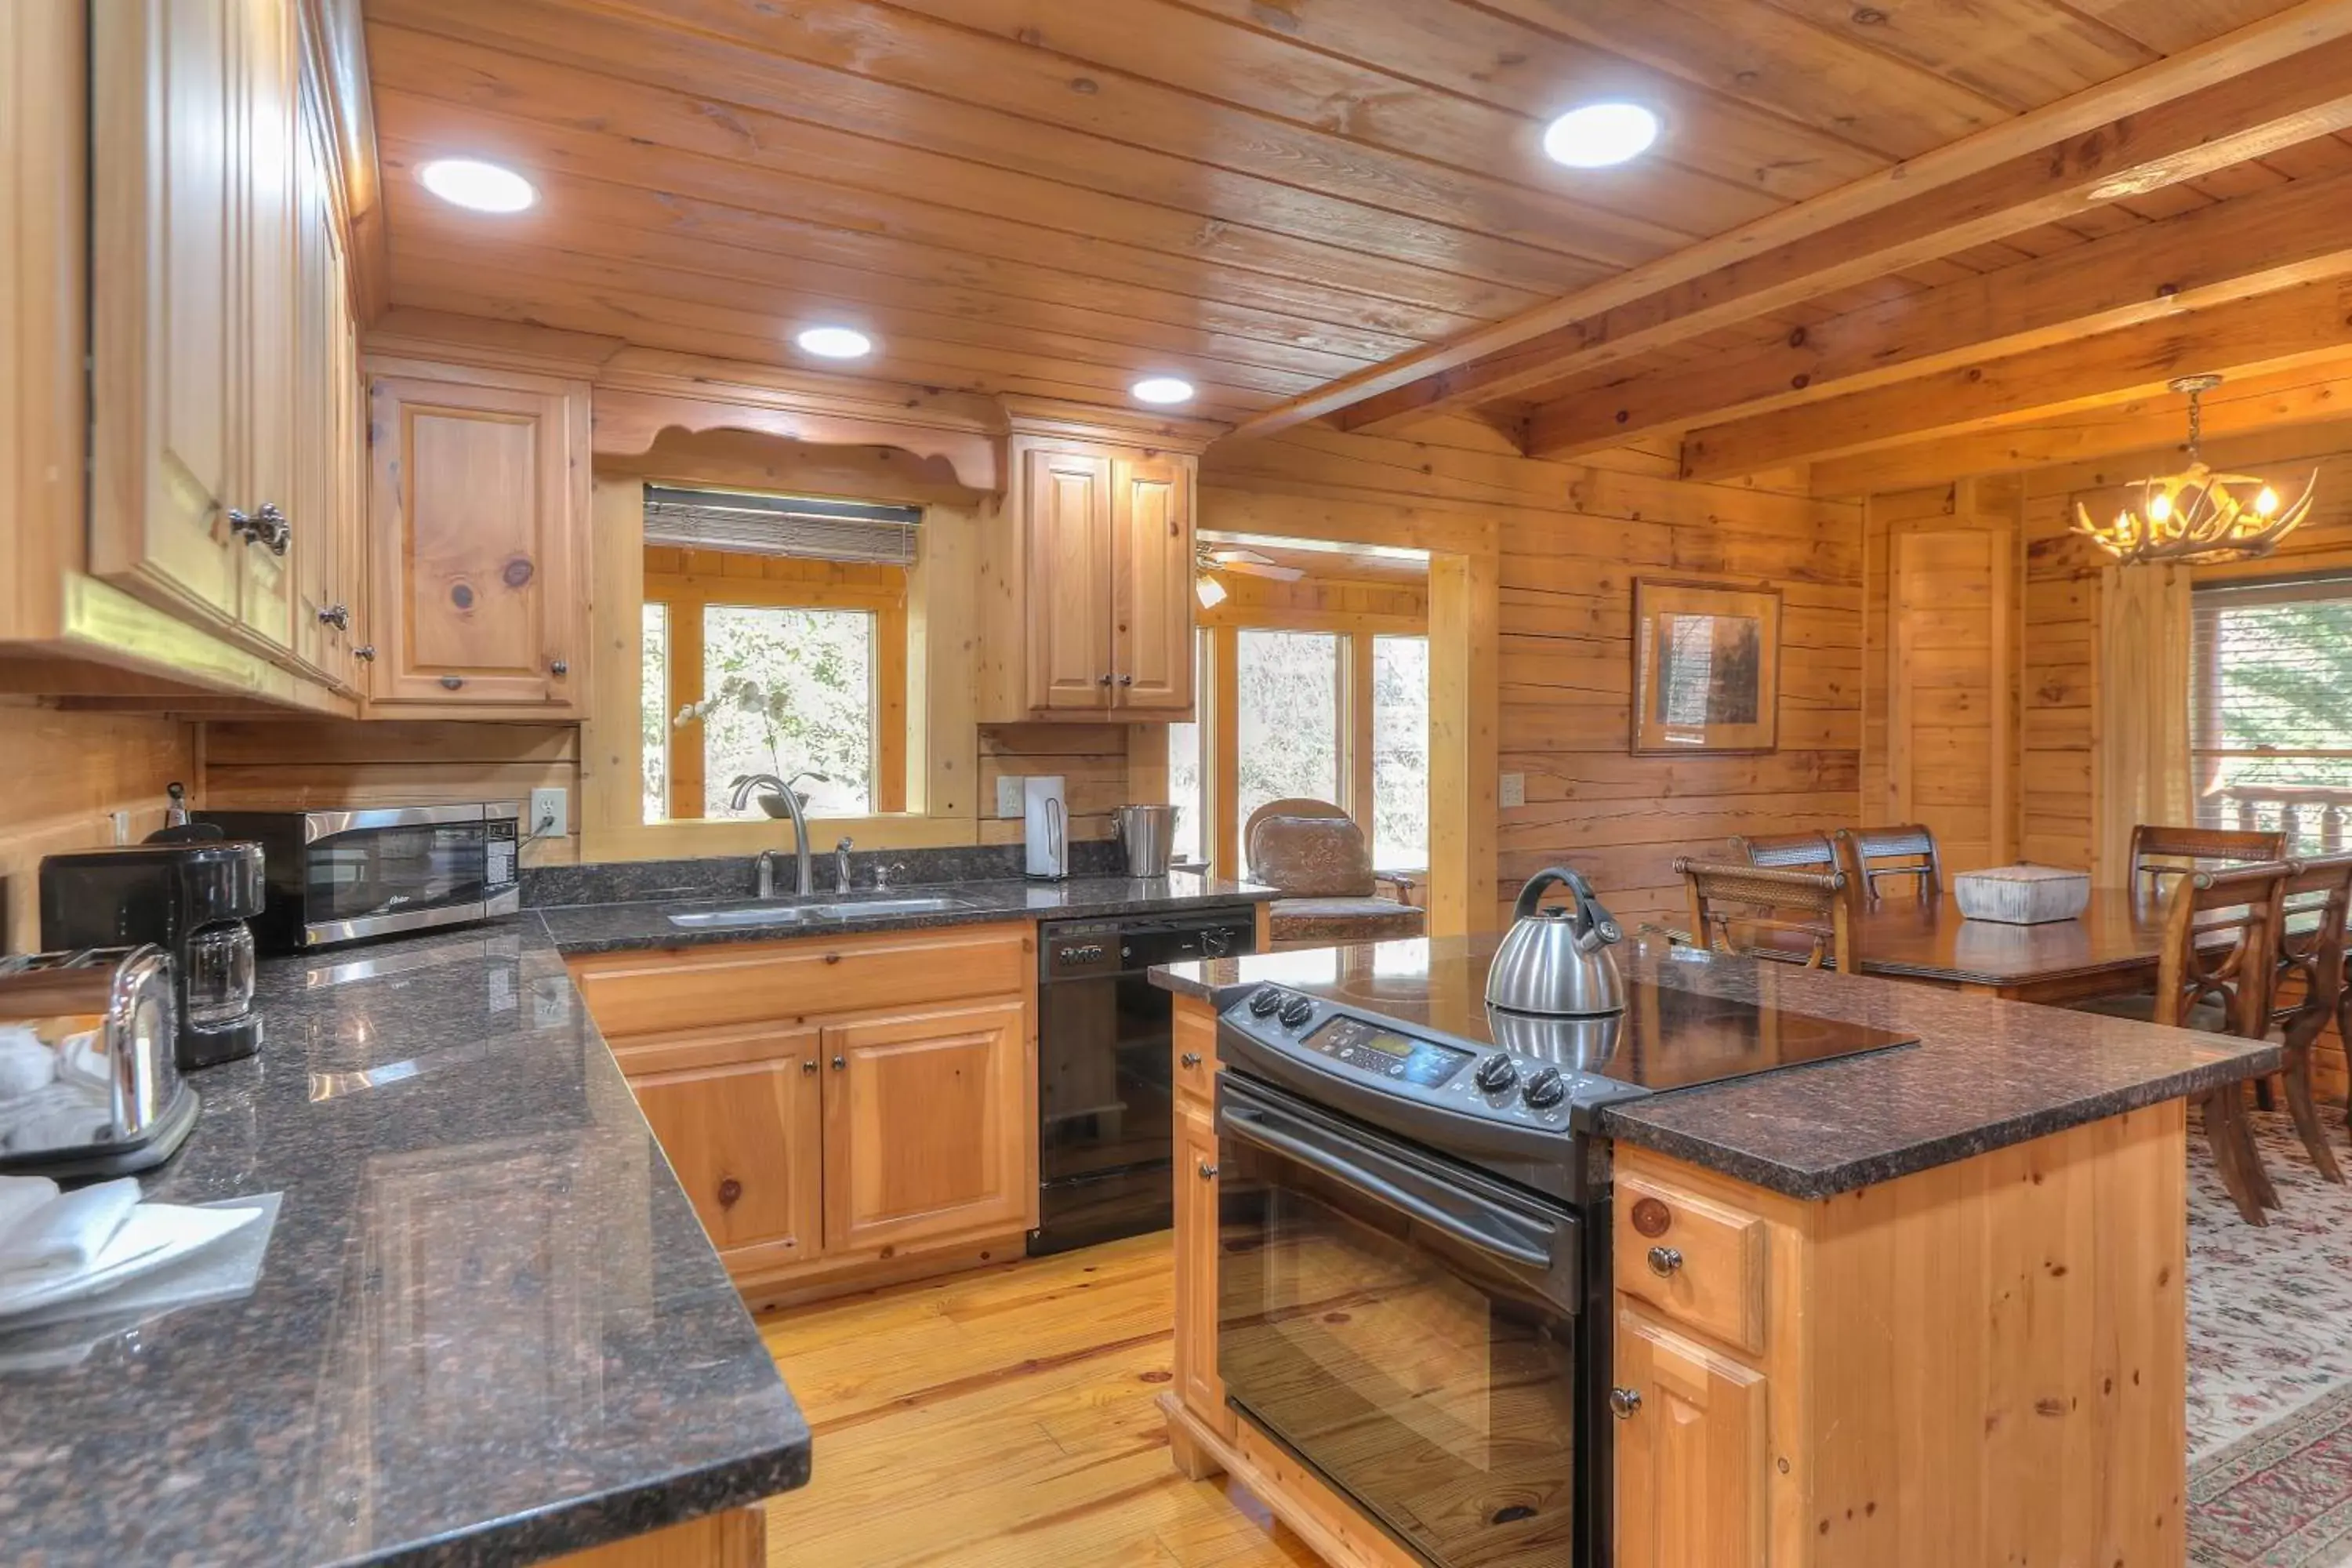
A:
x: 1984, y: 1075
x: 488, y: 1327
x: 617, y: 927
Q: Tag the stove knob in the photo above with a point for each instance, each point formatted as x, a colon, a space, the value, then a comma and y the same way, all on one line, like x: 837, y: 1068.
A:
x: 1296, y: 1011
x: 1266, y: 1000
x: 1544, y: 1090
x: 1497, y: 1073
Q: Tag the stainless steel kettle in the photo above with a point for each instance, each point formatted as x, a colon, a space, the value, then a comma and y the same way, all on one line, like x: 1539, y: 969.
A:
x: 1555, y: 959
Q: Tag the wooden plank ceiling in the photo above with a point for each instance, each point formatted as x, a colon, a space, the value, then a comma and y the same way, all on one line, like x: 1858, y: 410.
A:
x: 1340, y: 209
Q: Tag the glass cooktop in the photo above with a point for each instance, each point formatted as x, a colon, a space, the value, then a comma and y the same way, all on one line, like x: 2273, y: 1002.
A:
x: 1685, y: 1022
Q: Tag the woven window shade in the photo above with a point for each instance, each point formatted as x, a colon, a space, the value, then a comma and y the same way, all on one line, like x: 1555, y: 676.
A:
x: 2271, y: 709
x: 752, y: 524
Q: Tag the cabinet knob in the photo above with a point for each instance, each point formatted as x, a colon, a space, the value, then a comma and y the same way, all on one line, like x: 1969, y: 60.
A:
x: 808, y: 1068
x: 1104, y: 680
x: 1623, y: 1402
x: 1665, y: 1260
x: 452, y: 682
x: 839, y: 1063
x: 561, y: 667
x: 366, y: 651
x: 1126, y: 680
x: 265, y: 525
x: 729, y: 1191
x: 1190, y: 1059
x: 1208, y: 1172
x: 336, y: 616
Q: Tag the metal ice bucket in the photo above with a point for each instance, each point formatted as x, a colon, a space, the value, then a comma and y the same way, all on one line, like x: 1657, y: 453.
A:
x: 1147, y: 834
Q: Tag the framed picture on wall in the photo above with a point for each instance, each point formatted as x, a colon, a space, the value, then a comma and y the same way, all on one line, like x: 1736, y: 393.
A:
x: 1706, y: 668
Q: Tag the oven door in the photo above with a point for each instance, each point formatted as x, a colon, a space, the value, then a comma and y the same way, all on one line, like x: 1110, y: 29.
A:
x: 367, y: 873
x: 1406, y: 1326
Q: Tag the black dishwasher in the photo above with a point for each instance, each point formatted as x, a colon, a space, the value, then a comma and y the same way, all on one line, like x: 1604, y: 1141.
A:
x: 1104, y: 1107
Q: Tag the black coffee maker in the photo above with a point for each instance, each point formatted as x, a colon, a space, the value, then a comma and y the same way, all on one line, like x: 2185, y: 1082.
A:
x: 190, y: 899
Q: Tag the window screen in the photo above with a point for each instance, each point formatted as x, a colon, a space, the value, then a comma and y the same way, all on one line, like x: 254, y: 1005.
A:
x: 2270, y: 709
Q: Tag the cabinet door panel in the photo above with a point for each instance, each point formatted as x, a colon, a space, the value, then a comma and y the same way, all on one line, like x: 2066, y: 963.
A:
x: 927, y: 1118
x: 1067, y: 495
x: 473, y: 598
x: 1691, y: 1459
x: 1197, y: 1383
x: 1152, y: 546
x: 320, y: 421
x: 166, y: 142
x: 744, y: 1138
x: 268, y: 279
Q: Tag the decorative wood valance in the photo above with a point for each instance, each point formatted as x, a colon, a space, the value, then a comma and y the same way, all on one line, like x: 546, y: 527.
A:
x: 629, y: 418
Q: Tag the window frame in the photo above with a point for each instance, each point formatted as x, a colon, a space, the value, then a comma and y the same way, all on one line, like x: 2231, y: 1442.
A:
x: 2207, y: 756
x: 687, y: 582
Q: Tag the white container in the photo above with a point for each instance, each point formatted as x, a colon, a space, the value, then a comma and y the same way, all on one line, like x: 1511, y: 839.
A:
x: 2022, y: 895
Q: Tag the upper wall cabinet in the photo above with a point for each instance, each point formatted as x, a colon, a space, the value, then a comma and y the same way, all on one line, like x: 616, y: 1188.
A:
x: 477, y: 522
x: 1087, y: 596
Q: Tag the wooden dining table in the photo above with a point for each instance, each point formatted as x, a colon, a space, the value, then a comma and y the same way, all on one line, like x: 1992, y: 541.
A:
x: 2114, y: 944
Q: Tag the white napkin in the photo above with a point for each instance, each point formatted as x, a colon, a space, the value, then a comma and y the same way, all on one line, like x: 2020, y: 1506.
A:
x: 19, y: 1197
x: 153, y: 1236
x: 69, y: 1232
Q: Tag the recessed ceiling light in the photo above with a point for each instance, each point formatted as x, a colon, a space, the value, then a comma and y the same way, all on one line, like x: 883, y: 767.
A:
x: 1162, y: 389
x: 1600, y: 134
x: 835, y: 342
x: 483, y: 187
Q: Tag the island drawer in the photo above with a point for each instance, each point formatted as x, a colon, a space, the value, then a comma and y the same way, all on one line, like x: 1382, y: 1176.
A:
x: 1694, y: 1259
x: 1194, y: 1069
x: 670, y: 991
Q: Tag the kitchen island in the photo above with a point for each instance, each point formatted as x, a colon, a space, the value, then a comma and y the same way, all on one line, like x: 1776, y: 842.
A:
x: 1923, y: 1305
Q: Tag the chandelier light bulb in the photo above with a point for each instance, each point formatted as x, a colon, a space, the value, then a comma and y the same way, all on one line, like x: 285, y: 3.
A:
x: 2266, y: 502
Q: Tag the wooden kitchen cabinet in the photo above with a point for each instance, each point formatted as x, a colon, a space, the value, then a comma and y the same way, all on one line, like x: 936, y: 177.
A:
x: 477, y: 524
x: 923, y: 1126
x: 740, y: 1114
x: 1197, y: 1383
x: 1088, y: 574
x: 1692, y: 1456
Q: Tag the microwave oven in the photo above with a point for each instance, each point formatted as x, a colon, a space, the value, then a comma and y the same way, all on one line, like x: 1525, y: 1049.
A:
x: 338, y: 876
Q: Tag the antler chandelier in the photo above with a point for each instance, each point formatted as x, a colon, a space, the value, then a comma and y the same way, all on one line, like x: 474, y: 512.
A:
x: 2198, y: 515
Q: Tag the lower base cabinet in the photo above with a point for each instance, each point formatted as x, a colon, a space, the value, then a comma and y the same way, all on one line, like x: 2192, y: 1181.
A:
x: 1197, y: 1383
x: 847, y: 1135
x: 1691, y: 1468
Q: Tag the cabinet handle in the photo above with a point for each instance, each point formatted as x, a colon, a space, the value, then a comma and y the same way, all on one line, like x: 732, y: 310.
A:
x: 1208, y: 1172
x: 452, y: 682
x: 276, y: 531
x: 561, y: 667
x: 1190, y: 1059
x: 366, y: 651
x: 1623, y: 1402
x: 336, y: 616
x: 808, y: 1068
x: 729, y: 1191
x: 1664, y: 1261
x: 839, y: 1063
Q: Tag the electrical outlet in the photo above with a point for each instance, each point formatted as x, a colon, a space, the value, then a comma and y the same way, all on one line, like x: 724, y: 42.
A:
x: 1008, y: 797
x: 122, y: 827
x: 551, y: 813
x: 1514, y: 789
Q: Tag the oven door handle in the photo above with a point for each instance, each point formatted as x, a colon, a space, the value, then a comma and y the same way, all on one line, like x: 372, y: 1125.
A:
x: 1471, y: 1220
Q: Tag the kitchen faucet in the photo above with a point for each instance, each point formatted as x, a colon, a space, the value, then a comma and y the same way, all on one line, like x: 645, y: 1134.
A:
x: 743, y: 786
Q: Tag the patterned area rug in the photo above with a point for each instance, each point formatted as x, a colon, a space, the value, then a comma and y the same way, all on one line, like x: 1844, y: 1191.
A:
x: 2270, y: 1365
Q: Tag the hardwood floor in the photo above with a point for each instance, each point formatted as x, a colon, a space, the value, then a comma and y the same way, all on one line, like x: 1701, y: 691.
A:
x: 1004, y: 1418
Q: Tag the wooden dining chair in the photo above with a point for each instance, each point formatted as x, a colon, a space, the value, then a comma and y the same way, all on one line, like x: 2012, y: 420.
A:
x: 1759, y: 910
x: 1787, y: 851
x: 2202, y: 983
x: 2308, y: 988
x: 1873, y: 854
x: 2158, y: 852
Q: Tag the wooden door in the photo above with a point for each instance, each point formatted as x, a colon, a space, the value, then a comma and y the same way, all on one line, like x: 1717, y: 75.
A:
x: 268, y: 279
x: 475, y: 598
x: 744, y: 1136
x: 1067, y: 498
x: 165, y: 302
x: 927, y: 1126
x: 1951, y: 612
x: 1151, y: 579
x: 1691, y: 1457
x: 1197, y: 1383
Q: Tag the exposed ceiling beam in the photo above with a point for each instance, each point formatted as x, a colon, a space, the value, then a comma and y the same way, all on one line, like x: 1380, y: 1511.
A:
x: 2308, y: 395
x: 2274, y: 239
x: 2277, y: 82
x: 2269, y: 332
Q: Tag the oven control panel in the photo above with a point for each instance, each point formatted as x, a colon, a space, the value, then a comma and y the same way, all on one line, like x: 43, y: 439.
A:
x: 1489, y: 1083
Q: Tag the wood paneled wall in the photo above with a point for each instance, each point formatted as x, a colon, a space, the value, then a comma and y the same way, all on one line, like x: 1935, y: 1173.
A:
x: 1569, y: 539
x: 66, y: 775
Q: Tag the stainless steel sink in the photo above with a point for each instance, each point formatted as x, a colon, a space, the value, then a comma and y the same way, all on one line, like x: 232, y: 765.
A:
x: 779, y: 914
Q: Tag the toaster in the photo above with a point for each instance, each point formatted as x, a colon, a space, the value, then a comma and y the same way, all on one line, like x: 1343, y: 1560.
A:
x: 88, y: 1082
